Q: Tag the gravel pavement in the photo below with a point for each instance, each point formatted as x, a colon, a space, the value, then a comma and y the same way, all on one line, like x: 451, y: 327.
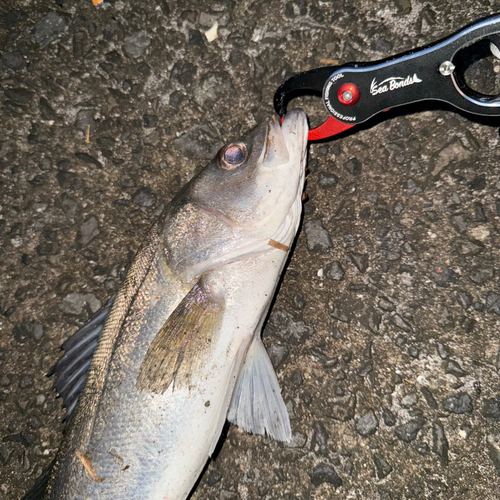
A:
x: 384, y: 332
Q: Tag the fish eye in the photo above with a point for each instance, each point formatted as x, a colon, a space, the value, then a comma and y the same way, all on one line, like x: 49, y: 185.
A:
x: 233, y: 155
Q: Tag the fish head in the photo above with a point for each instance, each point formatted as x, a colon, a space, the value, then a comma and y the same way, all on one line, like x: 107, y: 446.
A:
x: 249, y: 194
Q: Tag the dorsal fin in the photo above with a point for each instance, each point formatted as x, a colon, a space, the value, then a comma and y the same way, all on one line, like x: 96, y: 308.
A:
x: 257, y: 405
x: 38, y: 490
x: 71, y: 370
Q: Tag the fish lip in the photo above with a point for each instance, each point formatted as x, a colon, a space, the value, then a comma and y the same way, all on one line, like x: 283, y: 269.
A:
x: 295, y: 130
x: 295, y: 133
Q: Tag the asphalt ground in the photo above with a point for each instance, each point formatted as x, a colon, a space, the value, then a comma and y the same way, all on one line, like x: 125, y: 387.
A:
x: 384, y: 332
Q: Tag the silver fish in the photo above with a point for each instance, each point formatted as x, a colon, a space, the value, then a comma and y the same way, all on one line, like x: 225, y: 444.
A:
x: 180, y: 350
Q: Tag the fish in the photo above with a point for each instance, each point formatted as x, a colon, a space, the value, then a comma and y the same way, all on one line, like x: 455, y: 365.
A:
x: 150, y: 380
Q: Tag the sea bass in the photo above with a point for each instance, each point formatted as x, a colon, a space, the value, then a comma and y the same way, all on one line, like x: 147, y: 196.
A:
x: 180, y: 349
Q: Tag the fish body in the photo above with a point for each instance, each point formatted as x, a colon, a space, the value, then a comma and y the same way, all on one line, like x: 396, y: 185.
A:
x: 181, y: 345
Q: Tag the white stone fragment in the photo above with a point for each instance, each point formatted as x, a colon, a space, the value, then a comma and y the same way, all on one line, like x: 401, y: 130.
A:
x: 211, y: 33
x: 480, y: 233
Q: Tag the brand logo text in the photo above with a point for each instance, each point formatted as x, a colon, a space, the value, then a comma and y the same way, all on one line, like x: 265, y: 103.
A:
x: 393, y: 83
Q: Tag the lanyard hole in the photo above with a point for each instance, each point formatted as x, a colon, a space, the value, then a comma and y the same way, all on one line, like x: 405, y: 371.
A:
x: 477, y: 69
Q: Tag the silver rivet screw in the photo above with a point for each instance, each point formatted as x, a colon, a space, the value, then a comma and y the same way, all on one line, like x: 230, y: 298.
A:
x: 447, y: 68
x: 347, y: 95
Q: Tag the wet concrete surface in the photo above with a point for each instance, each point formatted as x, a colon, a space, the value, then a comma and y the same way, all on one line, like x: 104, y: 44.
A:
x: 385, y: 329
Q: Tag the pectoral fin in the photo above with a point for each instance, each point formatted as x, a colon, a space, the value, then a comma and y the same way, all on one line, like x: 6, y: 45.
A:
x: 181, y: 343
x: 257, y: 405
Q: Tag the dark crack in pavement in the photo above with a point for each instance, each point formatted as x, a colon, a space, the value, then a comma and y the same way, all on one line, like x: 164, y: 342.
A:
x: 384, y: 333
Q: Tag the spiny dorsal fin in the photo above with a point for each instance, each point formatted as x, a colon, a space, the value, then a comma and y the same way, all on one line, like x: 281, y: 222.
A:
x: 257, y: 405
x: 176, y: 349
x: 72, y: 369
x: 38, y: 490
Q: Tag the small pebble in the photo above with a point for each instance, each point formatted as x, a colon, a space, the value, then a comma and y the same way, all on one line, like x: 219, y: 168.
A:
x: 493, y: 449
x: 492, y: 303
x: 452, y: 367
x: 317, y: 237
x: 335, y: 271
x: 324, y: 473
x: 367, y: 424
x: 327, y: 180
x: 49, y: 28
x: 443, y: 276
x: 74, y: 303
x: 213, y: 477
x: 26, y: 381
x: 464, y: 298
x: 478, y: 183
x: 359, y: 260
x: 353, y: 166
x: 14, y: 60
x: 89, y: 159
x: 409, y: 400
x: 491, y: 409
x: 382, y: 467
x: 388, y: 417
x: 319, y: 441
x: 408, y: 431
x: 277, y: 354
x: 87, y: 232
x: 479, y: 233
x: 150, y: 121
x: 27, y: 330
x: 439, y: 442
x: 412, y: 187
x: 429, y: 397
x: 85, y: 120
x: 136, y: 44
x: 458, y: 404
x: 144, y: 197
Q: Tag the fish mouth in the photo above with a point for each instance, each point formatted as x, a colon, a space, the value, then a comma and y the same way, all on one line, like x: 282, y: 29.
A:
x: 286, y: 139
x: 294, y: 132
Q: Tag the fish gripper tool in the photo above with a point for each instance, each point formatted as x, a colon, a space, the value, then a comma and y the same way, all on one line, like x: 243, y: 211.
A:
x: 355, y: 92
